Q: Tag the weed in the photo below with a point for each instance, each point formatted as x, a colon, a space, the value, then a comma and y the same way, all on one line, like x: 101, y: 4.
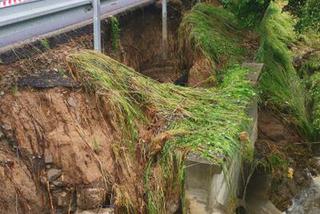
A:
x: 14, y: 90
x: 115, y: 33
x: 315, y: 94
x: 45, y: 43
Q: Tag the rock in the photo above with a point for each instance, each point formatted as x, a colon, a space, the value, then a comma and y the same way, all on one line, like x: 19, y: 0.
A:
x: 53, y: 174
x: 6, y: 127
x: 299, y: 177
x: 90, y: 198
x: 97, y: 211
x: 58, y: 183
x: 72, y: 102
x: 61, y: 198
x: 48, y: 159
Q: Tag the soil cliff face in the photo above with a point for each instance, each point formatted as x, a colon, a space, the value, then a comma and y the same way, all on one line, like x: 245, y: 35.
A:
x: 56, y: 140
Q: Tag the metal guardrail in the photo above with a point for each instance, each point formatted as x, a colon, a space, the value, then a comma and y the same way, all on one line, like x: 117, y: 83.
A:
x: 29, y: 21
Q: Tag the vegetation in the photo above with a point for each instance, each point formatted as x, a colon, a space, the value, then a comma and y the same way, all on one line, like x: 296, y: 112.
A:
x: 315, y: 94
x: 309, y: 17
x: 308, y: 13
x: 213, y: 32
x: 249, y: 12
x: 295, y: 6
x: 206, y: 121
x: 115, y: 32
x: 280, y: 83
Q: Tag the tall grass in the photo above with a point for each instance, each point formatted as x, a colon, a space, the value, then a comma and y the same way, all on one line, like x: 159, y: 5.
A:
x: 315, y: 95
x: 280, y: 83
x: 213, y: 32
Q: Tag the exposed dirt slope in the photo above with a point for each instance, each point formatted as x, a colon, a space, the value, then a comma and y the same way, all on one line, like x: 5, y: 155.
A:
x: 52, y: 129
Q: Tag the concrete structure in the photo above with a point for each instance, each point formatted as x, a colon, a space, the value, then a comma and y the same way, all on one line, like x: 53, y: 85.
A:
x: 28, y: 22
x: 210, y: 189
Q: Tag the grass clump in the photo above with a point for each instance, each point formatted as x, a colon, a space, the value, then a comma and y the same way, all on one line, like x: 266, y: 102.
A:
x: 280, y: 83
x: 198, y: 118
x: 213, y: 32
x: 315, y: 94
x: 206, y: 121
x: 115, y: 33
x: 249, y: 12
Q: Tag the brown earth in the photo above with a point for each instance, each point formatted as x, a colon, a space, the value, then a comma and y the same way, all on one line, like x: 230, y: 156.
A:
x: 287, y: 157
x: 55, y: 124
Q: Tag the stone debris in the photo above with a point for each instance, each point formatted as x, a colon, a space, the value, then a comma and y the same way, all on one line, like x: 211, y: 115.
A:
x: 53, y: 174
x: 97, y: 211
x: 48, y: 159
x: 71, y: 101
x: 90, y: 198
x: 61, y: 198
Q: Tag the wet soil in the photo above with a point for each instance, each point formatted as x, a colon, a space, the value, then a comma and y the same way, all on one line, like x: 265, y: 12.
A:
x: 285, y: 156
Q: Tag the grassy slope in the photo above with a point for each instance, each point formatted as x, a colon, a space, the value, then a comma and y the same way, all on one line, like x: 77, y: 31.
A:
x: 280, y: 84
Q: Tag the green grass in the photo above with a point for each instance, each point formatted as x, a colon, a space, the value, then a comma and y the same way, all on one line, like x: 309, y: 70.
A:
x: 315, y: 95
x: 213, y: 31
x: 115, y: 33
x: 280, y: 84
x: 205, y: 121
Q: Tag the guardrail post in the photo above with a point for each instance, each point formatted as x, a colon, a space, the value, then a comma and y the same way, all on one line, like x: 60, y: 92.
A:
x: 164, y: 29
x: 96, y: 25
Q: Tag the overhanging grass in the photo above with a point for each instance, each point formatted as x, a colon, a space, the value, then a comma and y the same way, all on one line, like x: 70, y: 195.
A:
x: 212, y: 31
x: 280, y: 84
x: 205, y: 121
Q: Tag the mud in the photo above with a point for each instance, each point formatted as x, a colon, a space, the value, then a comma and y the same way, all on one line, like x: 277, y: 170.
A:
x: 285, y: 156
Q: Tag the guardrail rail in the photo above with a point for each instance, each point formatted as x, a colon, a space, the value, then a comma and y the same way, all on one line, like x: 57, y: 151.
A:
x: 24, y: 21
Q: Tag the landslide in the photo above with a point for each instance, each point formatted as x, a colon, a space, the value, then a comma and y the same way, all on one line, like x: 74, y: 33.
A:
x: 61, y: 141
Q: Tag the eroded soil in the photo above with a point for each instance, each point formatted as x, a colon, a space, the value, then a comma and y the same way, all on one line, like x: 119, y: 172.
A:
x: 286, y: 156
